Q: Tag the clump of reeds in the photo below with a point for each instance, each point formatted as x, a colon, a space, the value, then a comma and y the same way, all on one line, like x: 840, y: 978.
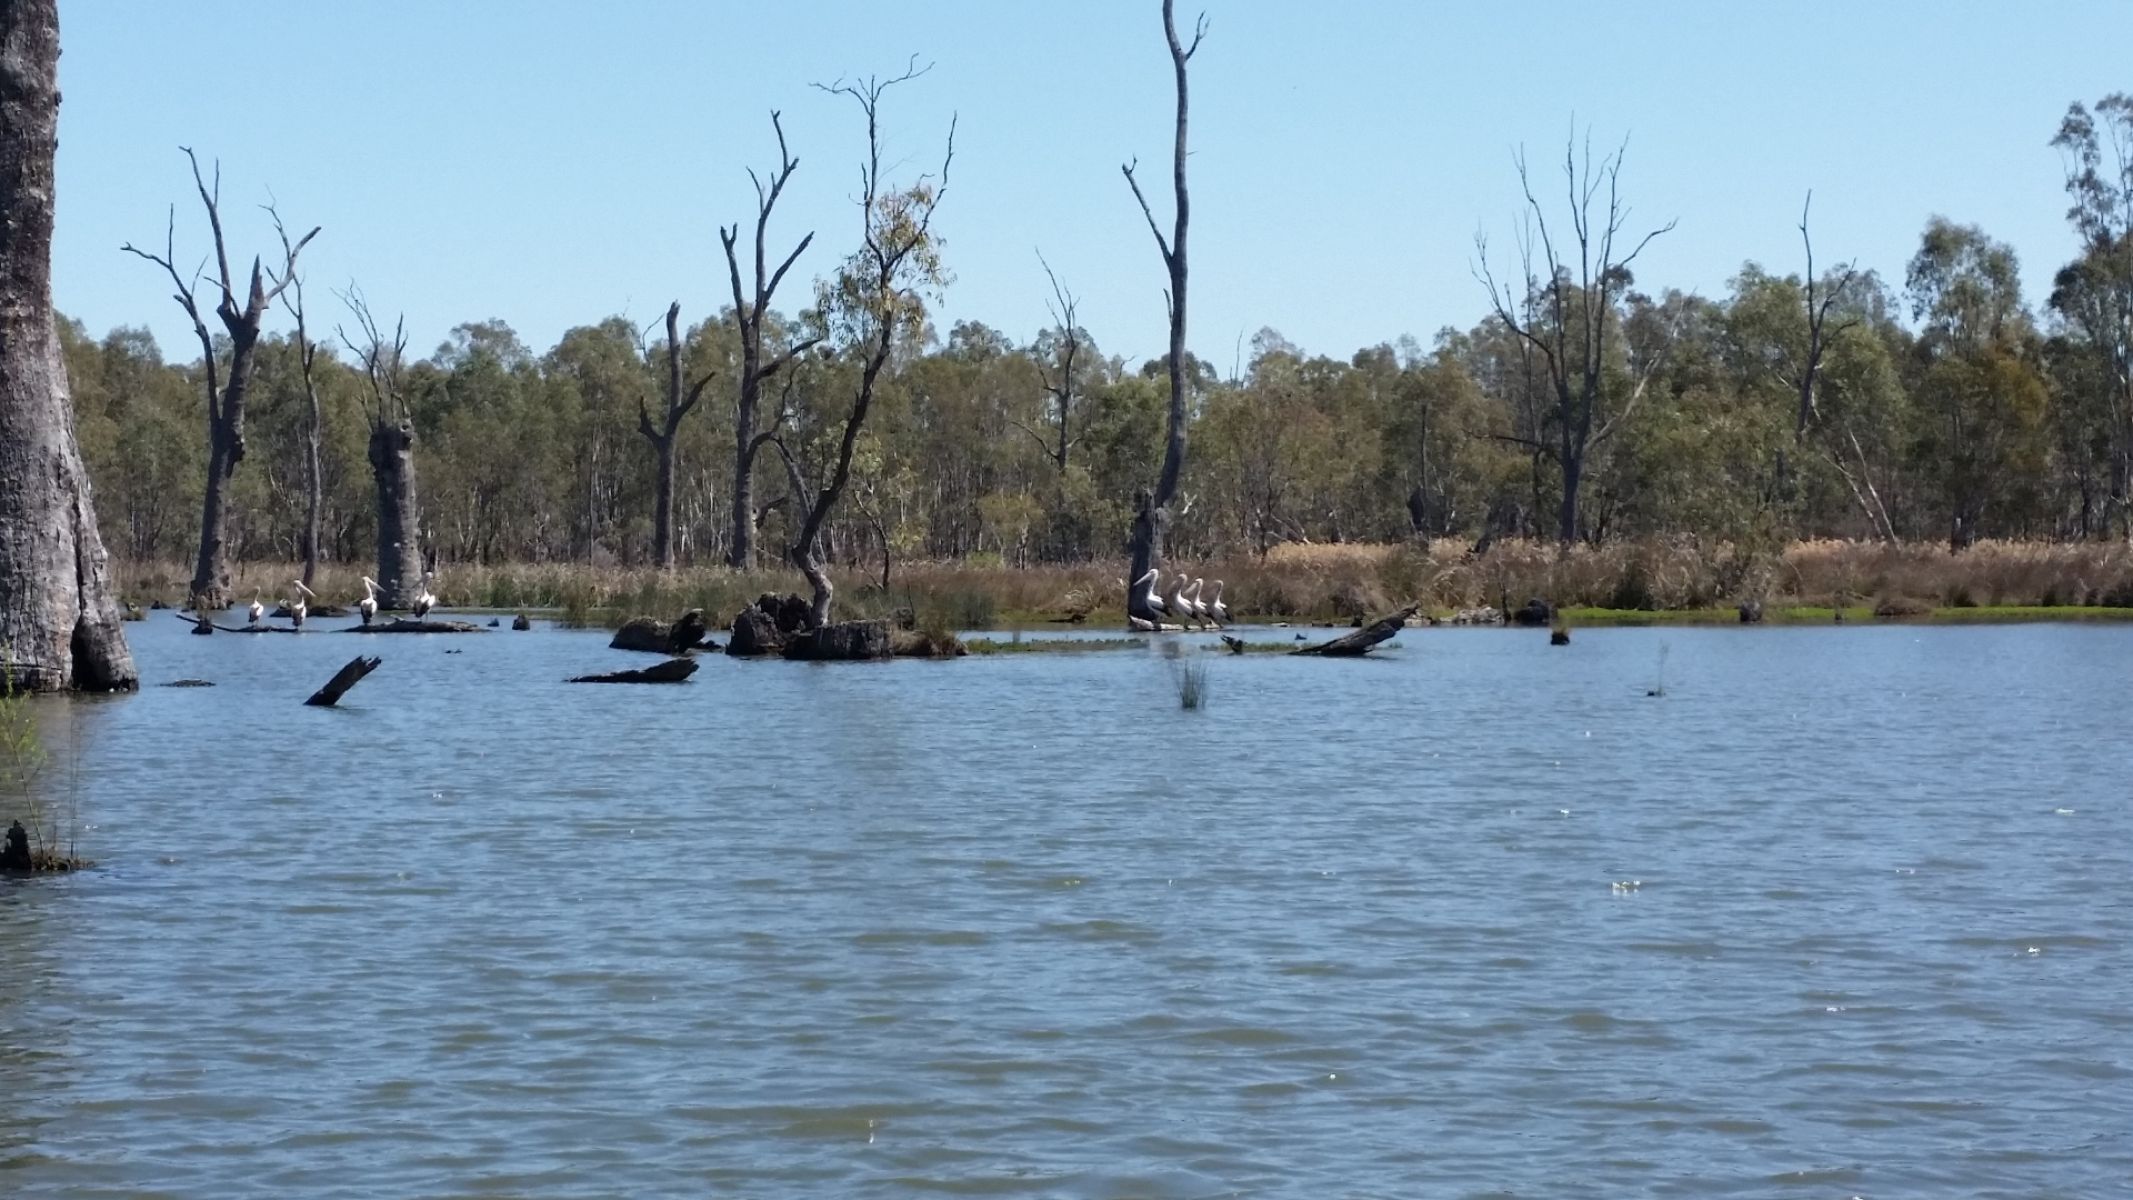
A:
x: 1191, y: 678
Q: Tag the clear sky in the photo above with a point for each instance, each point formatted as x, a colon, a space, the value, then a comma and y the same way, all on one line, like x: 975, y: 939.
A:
x: 553, y: 162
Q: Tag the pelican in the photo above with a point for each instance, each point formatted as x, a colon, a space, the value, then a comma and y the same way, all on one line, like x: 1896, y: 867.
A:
x: 423, y: 600
x: 1199, y: 607
x: 1149, y: 600
x: 1140, y: 624
x: 297, y: 607
x: 258, y: 611
x: 1216, y: 609
x: 1178, y: 606
x: 368, y: 605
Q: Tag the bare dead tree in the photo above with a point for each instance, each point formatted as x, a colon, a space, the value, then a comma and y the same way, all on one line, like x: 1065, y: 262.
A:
x: 1059, y: 386
x: 1151, y: 518
x: 1576, y: 304
x: 225, y: 412
x: 748, y: 313
x: 392, y: 450
x: 307, y: 362
x: 59, y: 627
x: 1818, y: 304
x: 875, y: 297
x: 679, y: 400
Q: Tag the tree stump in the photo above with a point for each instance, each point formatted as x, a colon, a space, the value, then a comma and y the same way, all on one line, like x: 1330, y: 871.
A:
x: 1357, y: 643
x: 411, y: 625
x: 347, y: 677
x: 521, y: 622
x: 1751, y: 612
x: 1533, y: 614
x: 755, y: 633
x: 674, y: 670
x: 843, y: 641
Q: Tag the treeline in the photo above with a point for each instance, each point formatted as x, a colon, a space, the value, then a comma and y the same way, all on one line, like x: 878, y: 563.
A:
x: 1837, y: 403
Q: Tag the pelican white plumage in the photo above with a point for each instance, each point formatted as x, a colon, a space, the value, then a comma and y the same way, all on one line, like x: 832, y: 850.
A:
x: 298, y: 609
x: 258, y: 611
x: 1199, y: 607
x: 423, y: 600
x: 367, y: 607
x: 1149, y: 600
x: 1215, y: 608
x: 1139, y: 624
x: 1178, y: 607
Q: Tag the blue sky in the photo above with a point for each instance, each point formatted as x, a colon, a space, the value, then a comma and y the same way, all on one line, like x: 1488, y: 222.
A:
x: 552, y: 163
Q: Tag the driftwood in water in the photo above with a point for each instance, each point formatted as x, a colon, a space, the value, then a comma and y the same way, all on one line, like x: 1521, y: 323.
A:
x: 521, y: 622
x: 343, y: 679
x: 411, y: 625
x: 674, y: 670
x: 206, y: 624
x: 189, y: 683
x: 1352, y: 644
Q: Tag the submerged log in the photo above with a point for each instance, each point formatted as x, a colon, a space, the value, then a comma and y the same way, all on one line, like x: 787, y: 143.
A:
x: 905, y: 643
x: 189, y: 683
x: 842, y: 641
x: 343, y: 679
x: 1351, y: 644
x: 206, y: 624
x: 411, y: 625
x: 674, y: 670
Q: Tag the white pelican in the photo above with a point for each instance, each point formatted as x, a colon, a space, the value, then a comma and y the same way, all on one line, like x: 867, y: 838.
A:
x: 368, y: 605
x: 1216, y: 609
x: 1178, y: 607
x: 297, y: 607
x: 1199, y: 607
x: 1149, y: 600
x: 258, y: 611
x: 423, y: 600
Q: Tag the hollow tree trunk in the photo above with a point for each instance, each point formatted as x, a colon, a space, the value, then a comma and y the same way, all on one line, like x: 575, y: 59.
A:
x: 392, y: 466
x: 58, y: 625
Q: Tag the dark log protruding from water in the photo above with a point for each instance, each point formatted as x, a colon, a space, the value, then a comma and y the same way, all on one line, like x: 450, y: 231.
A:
x: 843, y: 641
x: 674, y: 670
x: 1360, y: 642
x: 654, y: 636
x: 411, y: 625
x: 343, y: 679
x: 1235, y: 644
x: 1751, y: 612
x: 1559, y: 636
x: 16, y: 854
x: 755, y: 633
x: 189, y: 683
x: 790, y: 611
x: 1534, y: 614
x: 522, y: 622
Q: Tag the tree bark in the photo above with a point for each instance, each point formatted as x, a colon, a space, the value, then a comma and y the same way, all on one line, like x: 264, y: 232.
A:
x: 59, y: 627
x: 1151, y: 523
x: 343, y: 679
x: 392, y: 469
x: 1359, y: 642
x: 679, y: 400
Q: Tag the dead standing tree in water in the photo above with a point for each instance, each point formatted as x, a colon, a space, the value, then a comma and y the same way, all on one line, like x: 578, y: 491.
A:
x: 392, y: 452
x: 680, y: 399
x: 748, y: 317
x: 1575, y: 302
x: 1151, y: 518
x: 307, y: 362
x: 58, y: 625
x: 875, y: 298
x: 225, y: 393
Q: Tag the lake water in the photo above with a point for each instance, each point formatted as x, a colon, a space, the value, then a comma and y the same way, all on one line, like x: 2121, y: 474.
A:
x: 1021, y: 926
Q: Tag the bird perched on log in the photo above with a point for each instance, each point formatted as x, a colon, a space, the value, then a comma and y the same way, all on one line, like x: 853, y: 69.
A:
x: 298, y: 609
x: 1215, y: 608
x: 1149, y: 599
x: 367, y: 607
x: 258, y: 611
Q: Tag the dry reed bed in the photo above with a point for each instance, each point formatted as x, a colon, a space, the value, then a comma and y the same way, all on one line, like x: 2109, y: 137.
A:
x: 1295, y: 581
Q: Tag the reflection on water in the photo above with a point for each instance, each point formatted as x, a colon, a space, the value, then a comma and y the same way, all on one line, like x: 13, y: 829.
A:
x: 1022, y: 926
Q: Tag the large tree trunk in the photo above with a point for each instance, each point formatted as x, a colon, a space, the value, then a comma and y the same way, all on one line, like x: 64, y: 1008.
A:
x: 740, y: 555
x: 1152, y: 523
x: 211, y: 572
x: 663, y: 506
x: 314, y: 488
x: 58, y: 625
x: 1566, y: 514
x: 392, y: 466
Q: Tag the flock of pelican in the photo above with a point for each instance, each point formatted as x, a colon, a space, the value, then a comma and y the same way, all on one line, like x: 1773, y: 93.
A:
x: 298, y: 607
x: 1184, y: 608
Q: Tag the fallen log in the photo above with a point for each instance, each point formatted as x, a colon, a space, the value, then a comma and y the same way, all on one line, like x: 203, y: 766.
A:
x: 654, y: 636
x: 343, y: 679
x: 674, y: 670
x: 204, y: 624
x: 411, y: 625
x: 1349, y: 645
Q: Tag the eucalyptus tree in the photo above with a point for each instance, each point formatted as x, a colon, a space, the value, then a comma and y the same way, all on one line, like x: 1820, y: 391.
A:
x: 59, y: 628
x: 1152, y: 514
x: 1565, y: 310
x: 226, y: 392
x: 391, y: 451
x: 2095, y: 292
x: 876, y: 298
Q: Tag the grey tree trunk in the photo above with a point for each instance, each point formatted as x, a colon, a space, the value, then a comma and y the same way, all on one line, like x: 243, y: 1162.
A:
x: 1151, y: 522
x: 679, y: 401
x: 392, y: 466
x: 59, y: 627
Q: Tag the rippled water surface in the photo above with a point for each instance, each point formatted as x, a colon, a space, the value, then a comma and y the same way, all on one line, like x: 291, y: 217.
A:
x: 1021, y: 926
